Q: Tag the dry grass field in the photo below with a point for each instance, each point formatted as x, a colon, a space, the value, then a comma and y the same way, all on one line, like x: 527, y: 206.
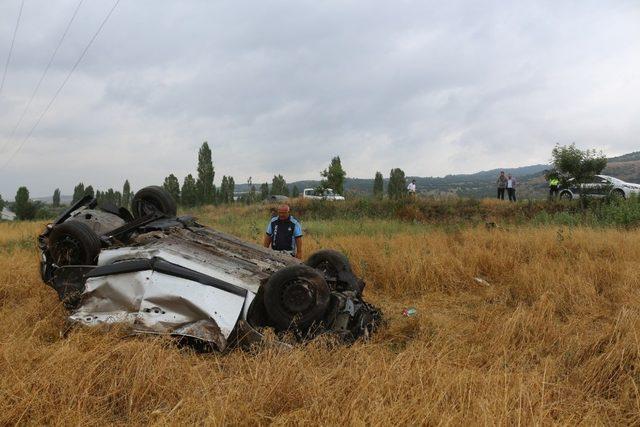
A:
x: 550, y: 338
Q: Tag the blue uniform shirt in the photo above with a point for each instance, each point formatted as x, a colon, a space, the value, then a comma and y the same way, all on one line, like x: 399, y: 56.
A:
x: 283, y: 233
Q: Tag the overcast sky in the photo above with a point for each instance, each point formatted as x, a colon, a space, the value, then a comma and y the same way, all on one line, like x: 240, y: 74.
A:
x: 282, y: 86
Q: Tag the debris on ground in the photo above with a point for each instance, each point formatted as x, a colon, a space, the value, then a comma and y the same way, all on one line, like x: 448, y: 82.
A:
x: 409, y: 312
x: 481, y: 281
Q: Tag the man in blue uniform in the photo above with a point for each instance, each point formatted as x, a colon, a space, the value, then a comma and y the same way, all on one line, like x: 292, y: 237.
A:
x: 284, y: 233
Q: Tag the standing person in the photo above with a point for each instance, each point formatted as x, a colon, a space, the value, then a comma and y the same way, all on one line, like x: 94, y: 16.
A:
x: 411, y: 188
x: 502, y: 184
x: 284, y: 233
x: 554, y: 183
x: 511, y: 188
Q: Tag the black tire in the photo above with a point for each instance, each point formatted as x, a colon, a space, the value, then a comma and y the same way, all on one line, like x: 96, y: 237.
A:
x: 565, y: 195
x: 618, y: 194
x: 336, y: 270
x: 330, y: 262
x: 74, y: 243
x: 295, y: 297
x: 153, y: 199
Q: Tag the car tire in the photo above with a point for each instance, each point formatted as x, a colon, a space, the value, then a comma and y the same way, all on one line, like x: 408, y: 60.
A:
x: 329, y: 262
x: 618, y: 194
x: 74, y: 243
x: 336, y: 268
x: 565, y: 195
x: 295, y: 297
x: 153, y: 199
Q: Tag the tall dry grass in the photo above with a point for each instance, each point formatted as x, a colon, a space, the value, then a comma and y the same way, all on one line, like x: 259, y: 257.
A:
x: 552, y: 339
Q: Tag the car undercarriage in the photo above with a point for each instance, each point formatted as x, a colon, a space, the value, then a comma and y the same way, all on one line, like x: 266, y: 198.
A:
x: 160, y: 273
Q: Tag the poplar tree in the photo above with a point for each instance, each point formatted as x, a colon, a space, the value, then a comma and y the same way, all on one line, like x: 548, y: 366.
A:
x: 78, y: 192
x: 126, y: 193
x: 397, y: 184
x: 172, y: 185
x: 189, y: 192
x: 264, y: 191
x: 378, y: 186
x: 251, y: 196
x: 224, y: 196
x: 23, y: 207
x: 206, y: 175
x: 56, y: 198
x: 231, y: 188
x: 111, y: 197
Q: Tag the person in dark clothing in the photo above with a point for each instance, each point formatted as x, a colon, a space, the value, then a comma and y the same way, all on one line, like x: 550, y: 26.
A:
x: 284, y: 233
x: 502, y: 184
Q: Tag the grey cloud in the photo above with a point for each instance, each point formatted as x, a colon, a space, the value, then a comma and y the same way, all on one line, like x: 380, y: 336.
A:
x: 280, y: 87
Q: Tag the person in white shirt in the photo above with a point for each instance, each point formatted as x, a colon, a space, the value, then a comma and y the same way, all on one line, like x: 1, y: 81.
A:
x: 511, y: 188
x: 411, y: 188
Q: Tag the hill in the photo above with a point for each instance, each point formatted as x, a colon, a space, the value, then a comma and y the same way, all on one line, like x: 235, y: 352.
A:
x: 625, y: 157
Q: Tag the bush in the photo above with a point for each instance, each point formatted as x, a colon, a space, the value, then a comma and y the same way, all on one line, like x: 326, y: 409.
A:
x: 613, y: 211
x: 590, y: 211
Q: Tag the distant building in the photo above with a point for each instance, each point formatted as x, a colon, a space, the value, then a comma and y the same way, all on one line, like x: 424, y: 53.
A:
x: 7, y: 215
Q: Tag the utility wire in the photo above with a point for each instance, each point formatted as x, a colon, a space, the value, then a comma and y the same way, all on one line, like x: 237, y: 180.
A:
x: 44, y: 73
x: 64, y: 82
x: 13, y: 40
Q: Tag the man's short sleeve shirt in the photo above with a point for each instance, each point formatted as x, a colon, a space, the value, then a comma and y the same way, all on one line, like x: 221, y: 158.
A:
x: 283, y: 233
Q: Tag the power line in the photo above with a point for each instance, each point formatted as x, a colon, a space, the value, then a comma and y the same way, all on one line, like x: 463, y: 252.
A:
x: 46, y: 70
x: 13, y: 40
x: 64, y: 82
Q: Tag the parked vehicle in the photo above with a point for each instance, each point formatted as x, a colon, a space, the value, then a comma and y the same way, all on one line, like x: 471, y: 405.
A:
x: 327, y: 194
x: 6, y: 214
x: 163, y: 274
x: 600, y: 186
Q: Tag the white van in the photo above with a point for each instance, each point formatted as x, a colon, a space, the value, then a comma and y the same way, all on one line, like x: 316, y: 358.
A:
x: 327, y: 194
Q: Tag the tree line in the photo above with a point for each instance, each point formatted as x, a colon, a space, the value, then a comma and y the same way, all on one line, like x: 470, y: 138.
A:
x: 396, y: 187
x: 201, y: 189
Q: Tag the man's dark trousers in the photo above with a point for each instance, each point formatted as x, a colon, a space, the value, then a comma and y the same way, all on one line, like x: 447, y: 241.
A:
x: 501, y: 193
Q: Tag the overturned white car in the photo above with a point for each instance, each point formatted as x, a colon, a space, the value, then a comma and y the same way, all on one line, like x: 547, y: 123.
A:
x: 164, y: 274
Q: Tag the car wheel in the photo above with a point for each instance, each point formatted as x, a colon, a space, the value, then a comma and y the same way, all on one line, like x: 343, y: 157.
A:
x: 74, y: 243
x: 295, y: 297
x: 153, y: 199
x: 565, y: 195
x: 336, y: 269
x: 329, y: 262
x: 618, y: 194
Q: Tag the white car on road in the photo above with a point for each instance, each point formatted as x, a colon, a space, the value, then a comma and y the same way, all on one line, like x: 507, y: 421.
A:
x: 600, y: 186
